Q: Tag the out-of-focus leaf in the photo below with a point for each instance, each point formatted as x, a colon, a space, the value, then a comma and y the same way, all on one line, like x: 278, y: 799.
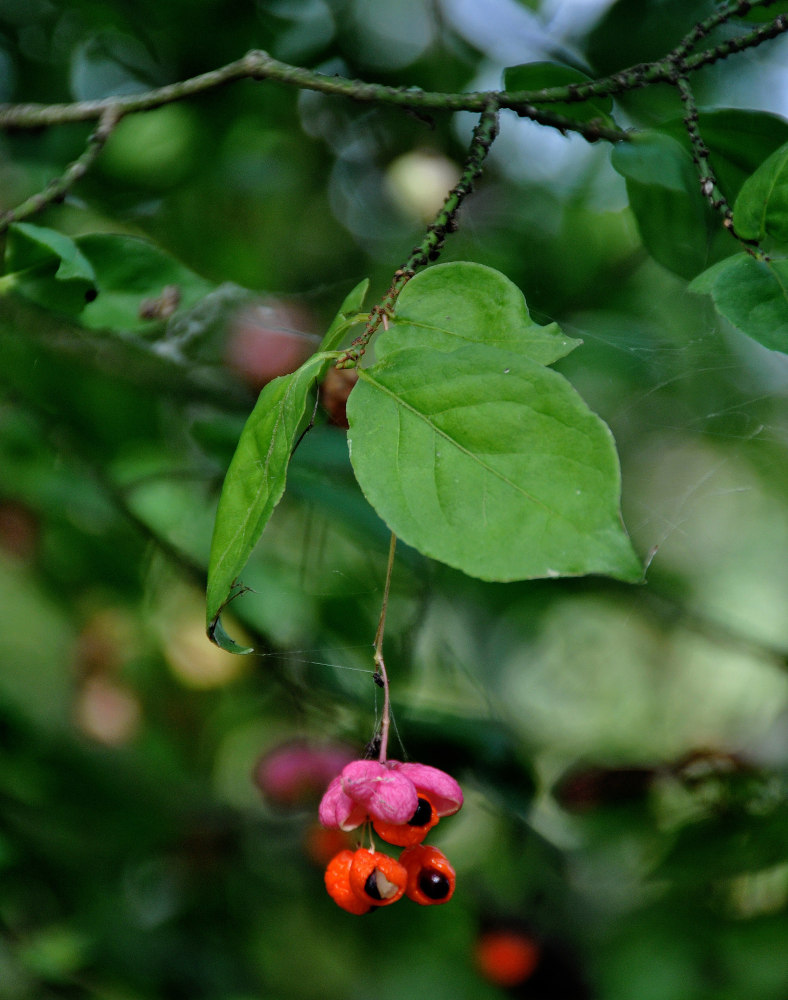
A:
x: 762, y: 206
x: 632, y: 32
x: 541, y: 75
x: 129, y: 271
x: 663, y: 193
x: 56, y: 953
x: 727, y: 845
x: 762, y: 14
x: 30, y: 245
x: 753, y: 295
x: 47, y: 268
x: 107, y: 281
x: 255, y: 482
x: 738, y: 140
x: 110, y: 64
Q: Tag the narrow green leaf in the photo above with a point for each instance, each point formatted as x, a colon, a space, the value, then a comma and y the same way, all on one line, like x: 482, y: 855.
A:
x: 29, y: 246
x: 753, y: 295
x: 762, y: 206
x: 489, y: 462
x: 217, y: 634
x: 343, y: 320
x: 255, y: 480
x: 490, y: 310
x: 662, y: 186
x: 542, y: 75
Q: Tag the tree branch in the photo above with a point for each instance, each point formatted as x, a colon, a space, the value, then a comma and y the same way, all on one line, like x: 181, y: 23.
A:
x: 430, y: 247
x: 58, y: 188
x: 709, y: 184
x: 259, y: 65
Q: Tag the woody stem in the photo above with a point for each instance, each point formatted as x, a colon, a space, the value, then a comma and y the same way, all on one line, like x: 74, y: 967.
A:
x: 385, y: 721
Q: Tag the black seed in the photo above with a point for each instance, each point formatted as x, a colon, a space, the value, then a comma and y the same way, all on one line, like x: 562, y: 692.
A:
x: 422, y: 815
x: 371, y: 885
x: 433, y: 884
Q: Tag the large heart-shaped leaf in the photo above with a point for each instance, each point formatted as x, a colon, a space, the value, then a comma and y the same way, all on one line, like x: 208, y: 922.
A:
x: 461, y: 303
x: 489, y: 462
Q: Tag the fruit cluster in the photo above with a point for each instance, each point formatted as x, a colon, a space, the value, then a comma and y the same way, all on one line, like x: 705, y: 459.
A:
x: 403, y: 802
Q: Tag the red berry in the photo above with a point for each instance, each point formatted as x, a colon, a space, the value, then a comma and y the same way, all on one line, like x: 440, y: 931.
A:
x: 507, y: 957
x: 412, y: 832
x: 431, y: 879
x: 377, y: 878
x: 337, y: 880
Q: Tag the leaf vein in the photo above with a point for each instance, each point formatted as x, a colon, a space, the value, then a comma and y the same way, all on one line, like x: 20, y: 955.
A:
x: 473, y: 456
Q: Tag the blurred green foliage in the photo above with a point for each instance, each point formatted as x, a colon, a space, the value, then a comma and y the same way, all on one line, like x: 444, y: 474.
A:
x: 624, y: 749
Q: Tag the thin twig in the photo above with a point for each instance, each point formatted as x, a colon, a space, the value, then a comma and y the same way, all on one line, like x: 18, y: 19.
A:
x: 385, y: 721
x: 715, y: 20
x: 731, y: 46
x: 259, y: 65
x: 430, y: 247
x: 57, y: 189
x: 709, y: 185
x: 700, y: 153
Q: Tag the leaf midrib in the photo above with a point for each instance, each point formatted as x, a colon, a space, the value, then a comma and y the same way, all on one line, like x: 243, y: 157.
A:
x: 364, y: 374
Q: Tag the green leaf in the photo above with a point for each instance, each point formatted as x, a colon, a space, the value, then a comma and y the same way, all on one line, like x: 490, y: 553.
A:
x: 662, y: 186
x: 738, y: 141
x: 727, y: 845
x: 218, y: 635
x: 102, y: 279
x: 753, y: 295
x: 489, y: 462
x: 128, y: 271
x: 631, y: 31
x: 762, y: 206
x: 676, y: 224
x: 763, y: 14
x: 491, y: 310
x: 541, y: 75
x: 30, y: 245
x: 47, y: 268
x: 705, y: 281
x: 346, y: 317
x: 255, y: 482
